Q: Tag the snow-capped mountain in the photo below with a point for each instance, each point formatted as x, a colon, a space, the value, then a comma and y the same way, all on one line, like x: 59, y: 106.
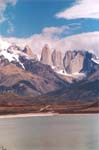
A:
x: 74, y: 63
x: 22, y: 73
x: 13, y: 54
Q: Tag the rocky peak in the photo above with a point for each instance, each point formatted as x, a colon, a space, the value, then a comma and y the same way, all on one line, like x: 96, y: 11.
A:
x: 57, y: 59
x: 12, y: 48
x: 46, y: 55
x: 29, y: 52
x: 89, y: 66
x: 3, y: 61
x: 78, y: 61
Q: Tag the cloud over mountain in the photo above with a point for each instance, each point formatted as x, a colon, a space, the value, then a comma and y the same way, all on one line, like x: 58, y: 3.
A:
x: 4, y: 44
x: 84, y: 41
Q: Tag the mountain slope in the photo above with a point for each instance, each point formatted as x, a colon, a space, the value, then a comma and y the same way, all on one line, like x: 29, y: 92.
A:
x: 85, y: 90
x: 15, y: 79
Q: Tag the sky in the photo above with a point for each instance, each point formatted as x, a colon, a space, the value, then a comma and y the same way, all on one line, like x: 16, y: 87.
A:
x: 63, y: 24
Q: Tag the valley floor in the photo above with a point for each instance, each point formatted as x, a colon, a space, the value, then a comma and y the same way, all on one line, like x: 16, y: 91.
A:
x: 69, y: 107
x: 13, y: 104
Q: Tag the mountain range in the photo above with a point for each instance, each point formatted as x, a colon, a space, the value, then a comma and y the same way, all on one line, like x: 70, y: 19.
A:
x: 53, y: 78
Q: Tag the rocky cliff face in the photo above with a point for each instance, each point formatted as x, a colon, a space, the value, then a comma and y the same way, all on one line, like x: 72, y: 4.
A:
x: 89, y: 66
x: 73, y: 61
x: 46, y: 55
x: 57, y: 59
x: 79, y: 61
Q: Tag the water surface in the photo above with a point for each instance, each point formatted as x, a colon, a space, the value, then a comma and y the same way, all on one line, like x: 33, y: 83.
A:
x: 66, y: 132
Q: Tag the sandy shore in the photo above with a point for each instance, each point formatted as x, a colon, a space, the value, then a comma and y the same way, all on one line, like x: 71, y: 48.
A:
x: 27, y: 115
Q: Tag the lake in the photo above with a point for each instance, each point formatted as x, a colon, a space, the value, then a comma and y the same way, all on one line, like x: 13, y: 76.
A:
x: 64, y: 132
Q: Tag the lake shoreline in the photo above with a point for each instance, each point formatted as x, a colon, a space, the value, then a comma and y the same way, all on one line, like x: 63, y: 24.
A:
x: 25, y: 115
x: 43, y: 114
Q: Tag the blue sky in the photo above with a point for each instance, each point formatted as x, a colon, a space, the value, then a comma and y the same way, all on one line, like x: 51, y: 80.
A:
x: 62, y: 24
x: 23, y: 18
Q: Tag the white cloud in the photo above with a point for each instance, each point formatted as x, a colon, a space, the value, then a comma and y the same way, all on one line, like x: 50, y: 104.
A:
x: 4, y: 44
x: 48, y: 35
x: 3, y: 6
x: 85, y: 41
x: 81, y: 9
x: 49, y: 31
x: 10, y: 28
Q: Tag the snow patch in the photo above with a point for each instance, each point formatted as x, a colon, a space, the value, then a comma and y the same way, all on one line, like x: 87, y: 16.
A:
x: 95, y: 60
x: 75, y: 75
x: 62, y: 72
x: 13, y: 55
x: 10, y: 57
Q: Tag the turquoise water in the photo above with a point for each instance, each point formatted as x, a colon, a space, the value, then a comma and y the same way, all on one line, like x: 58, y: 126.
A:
x: 66, y: 132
